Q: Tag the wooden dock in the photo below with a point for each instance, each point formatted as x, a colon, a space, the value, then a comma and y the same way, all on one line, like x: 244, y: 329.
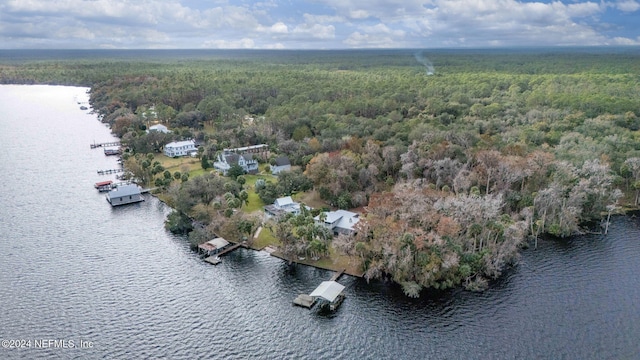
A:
x: 215, y: 259
x: 304, y: 300
x: 337, y: 275
x: 113, y: 143
x: 109, y: 171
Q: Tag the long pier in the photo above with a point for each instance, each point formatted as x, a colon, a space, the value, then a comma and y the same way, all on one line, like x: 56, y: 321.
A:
x: 97, y: 145
x: 109, y: 171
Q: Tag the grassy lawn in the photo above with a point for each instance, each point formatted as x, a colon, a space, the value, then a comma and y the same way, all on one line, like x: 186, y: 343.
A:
x: 337, y: 262
x: 310, y: 198
x: 178, y: 163
x: 265, y: 238
x: 255, y: 203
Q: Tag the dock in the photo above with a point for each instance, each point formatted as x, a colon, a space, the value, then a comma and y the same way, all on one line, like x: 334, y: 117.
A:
x: 304, y: 300
x: 215, y: 259
x: 105, y: 144
x: 109, y: 171
x: 337, y: 275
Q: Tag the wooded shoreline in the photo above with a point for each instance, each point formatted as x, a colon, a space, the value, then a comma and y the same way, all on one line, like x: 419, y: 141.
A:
x: 455, y: 171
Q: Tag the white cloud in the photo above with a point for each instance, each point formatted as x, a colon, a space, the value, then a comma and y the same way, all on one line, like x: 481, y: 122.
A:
x: 359, y: 40
x: 316, y: 31
x: 293, y: 24
x: 626, y: 41
x: 279, y: 28
x: 627, y: 5
x: 244, y: 43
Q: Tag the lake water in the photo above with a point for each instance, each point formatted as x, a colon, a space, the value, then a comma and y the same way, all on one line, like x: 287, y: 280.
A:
x: 74, y: 269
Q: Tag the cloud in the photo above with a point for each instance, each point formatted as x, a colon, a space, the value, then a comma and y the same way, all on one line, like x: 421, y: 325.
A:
x: 314, y: 23
x: 627, y: 5
x: 226, y: 44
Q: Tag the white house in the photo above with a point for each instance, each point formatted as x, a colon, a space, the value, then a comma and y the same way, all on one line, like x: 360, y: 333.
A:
x: 180, y: 148
x: 228, y: 159
x: 282, y: 164
x: 339, y: 221
x: 159, y: 128
x: 282, y: 206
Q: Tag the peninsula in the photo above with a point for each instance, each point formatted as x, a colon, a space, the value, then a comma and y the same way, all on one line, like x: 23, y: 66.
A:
x: 450, y: 168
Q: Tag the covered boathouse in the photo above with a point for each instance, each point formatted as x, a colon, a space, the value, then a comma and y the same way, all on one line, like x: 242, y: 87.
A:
x: 123, y: 195
x: 213, y: 247
x: 329, y: 295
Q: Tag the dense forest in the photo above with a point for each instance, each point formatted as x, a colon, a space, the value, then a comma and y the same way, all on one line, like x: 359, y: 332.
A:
x: 455, y: 158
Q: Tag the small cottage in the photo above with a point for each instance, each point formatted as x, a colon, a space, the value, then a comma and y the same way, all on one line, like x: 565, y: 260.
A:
x: 126, y: 194
x: 281, y: 164
x: 283, y: 206
x: 180, y: 148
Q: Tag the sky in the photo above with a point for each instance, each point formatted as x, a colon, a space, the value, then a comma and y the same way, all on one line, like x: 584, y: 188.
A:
x: 315, y: 24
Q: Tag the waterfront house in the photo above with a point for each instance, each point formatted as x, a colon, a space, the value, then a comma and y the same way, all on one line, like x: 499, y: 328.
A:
x: 126, y: 194
x: 283, y: 205
x: 282, y: 163
x: 180, y: 148
x: 339, y: 221
x: 229, y: 158
x: 213, y: 246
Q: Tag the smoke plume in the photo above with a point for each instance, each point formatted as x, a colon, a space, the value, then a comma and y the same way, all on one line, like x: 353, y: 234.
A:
x: 424, y: 61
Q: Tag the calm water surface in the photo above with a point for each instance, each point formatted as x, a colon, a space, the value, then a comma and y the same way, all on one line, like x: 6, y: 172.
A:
x: 73, y: 268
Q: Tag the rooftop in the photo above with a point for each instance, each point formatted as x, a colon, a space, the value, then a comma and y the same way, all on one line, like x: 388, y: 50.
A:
x: 328, y: 290
x: 125, y: 190
x: 180, y: 143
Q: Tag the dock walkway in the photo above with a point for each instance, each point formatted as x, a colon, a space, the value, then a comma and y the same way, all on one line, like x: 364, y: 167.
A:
x: 105, y: 144
x: 110, y: 171
x: 215, y: 259
x: 337, y: 275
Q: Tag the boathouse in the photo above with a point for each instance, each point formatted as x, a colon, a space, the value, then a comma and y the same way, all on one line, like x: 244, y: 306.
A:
x: 126, y: 194
x: 329, y: 294
x: 103, y: 186
x: 214, y: 246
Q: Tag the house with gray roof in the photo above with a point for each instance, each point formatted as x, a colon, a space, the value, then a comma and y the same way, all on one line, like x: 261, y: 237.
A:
x: 282, y: 163
x: 283, y: 205
x: 228, y: 158
x: 339, y: 221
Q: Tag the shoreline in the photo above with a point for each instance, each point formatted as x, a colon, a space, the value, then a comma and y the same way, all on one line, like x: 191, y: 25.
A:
x: 276, y: 254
